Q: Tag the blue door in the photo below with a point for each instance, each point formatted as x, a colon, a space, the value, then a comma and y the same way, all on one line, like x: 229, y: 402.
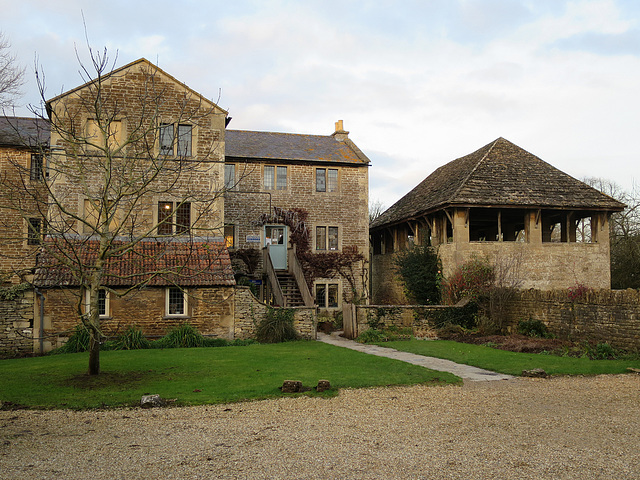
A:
x: 275, y: 238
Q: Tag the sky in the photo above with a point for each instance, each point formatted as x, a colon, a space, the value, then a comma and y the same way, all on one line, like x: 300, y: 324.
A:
x: 417, y: 83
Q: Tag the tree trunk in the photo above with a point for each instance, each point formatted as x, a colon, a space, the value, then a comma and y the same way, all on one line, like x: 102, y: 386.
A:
x: 94, y: 355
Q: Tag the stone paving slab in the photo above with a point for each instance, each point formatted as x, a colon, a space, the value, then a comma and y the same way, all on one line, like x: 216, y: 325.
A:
x: 466, y: 372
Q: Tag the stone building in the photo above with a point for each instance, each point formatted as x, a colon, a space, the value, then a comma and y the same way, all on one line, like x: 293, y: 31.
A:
x: 23, y: 147
x: 501, y: 202
x: 303, y: 199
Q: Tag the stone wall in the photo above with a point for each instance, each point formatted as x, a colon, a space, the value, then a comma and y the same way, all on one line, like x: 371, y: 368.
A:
x: 249, y: 311
x: 420, y: 318
x: 611, y: 316
x: 386, y: 286
x: 16, y: 326
x: 222, y: 312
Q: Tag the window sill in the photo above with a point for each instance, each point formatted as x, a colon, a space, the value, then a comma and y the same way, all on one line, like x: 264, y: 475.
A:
x: 170, y: 317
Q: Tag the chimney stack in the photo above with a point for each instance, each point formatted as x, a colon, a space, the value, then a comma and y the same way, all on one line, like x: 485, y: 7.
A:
x: 340, y: 134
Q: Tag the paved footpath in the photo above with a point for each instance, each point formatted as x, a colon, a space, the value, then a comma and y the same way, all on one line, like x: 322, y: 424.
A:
x: 466, y: 372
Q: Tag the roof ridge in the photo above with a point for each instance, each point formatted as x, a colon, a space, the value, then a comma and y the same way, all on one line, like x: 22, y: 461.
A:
x: 462, y: 184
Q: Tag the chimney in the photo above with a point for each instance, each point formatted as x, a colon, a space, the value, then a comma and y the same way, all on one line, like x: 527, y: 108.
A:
x: 340, y: 134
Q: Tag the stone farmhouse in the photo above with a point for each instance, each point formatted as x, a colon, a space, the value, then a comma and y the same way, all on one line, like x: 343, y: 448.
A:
x: 152, y: 171
x: 303, y: 200
x: 506, y: 204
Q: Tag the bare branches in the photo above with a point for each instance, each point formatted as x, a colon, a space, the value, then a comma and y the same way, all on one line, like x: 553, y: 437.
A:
x: 11, y: 75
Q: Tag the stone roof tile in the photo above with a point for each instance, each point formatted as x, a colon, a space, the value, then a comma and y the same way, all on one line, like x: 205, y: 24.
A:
x: 499, y: 174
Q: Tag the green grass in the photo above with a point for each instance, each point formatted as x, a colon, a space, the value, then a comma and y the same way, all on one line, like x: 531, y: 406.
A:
x: 510, y: 362
x: 198, y: 376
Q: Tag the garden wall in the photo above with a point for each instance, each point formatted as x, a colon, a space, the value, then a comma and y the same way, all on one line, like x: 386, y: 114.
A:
x: 249, y: 311
x: 16, y: 325
x: 420, y: 318
x: 611, y: 316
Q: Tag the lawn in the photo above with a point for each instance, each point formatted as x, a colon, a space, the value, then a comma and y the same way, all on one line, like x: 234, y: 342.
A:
x: 510, y: 362
x: 198, y: 376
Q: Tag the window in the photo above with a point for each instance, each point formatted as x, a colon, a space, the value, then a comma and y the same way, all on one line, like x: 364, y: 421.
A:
x: 103, y: 302
x: 95, y: 136
x: 176, y: 302
x: 183, y: 143
x: 275, y: 178
x: 326, y: 238
x: 326, y: 180
x: 229, y: 176
x: 229, y: 236
x: 34, y: 231
x: 37, y: 171
x: 174, y: 218
x: 93, y: 216
x: 327, y: 295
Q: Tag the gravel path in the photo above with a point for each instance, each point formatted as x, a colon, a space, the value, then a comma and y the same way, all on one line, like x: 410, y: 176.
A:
x: 562, y: 428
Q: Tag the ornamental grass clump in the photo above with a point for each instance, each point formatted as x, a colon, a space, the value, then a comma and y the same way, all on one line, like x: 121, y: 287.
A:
x: 182, y: 336
x: 78, y: 341
x: 131, y: 339
x: 276, y: 326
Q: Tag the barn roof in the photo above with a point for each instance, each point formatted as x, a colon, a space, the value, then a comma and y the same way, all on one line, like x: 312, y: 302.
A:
x: 499, y: 174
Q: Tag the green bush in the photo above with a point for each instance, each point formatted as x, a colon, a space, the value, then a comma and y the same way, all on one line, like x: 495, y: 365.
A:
x: 131, y: 339
x: 372, y: 335
x: 78, y: 341
x: 276, y: 326
x: 182, y: 336
x: 419, y: 268
x: 601, y: 351
x: 533, y: 328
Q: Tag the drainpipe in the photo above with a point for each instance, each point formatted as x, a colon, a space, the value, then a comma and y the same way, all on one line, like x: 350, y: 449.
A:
x: 41, y: 329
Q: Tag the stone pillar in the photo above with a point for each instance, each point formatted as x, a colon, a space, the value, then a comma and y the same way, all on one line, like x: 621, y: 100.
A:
x: 533, y: 230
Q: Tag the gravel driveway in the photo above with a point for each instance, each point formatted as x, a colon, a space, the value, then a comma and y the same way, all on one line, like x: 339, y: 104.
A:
x: 578, y: 428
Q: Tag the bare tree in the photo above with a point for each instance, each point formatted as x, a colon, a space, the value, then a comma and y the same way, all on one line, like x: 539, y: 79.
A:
x: 376, y: 208
x: 133, y: 175
x: 624, y: 234
x: 11, y: 75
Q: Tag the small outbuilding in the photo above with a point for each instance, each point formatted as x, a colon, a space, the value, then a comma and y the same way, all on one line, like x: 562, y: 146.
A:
x: 506, y: 204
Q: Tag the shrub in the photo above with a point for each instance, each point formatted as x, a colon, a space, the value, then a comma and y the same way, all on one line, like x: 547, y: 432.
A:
x: 419, y: 268
x: 602, y: 351
x: 131, y: 339
x: 473, y: 279
x: 182, y: 336
x: 276, y: 326
x: 78, y: 341
x: 464, y: 316
x: 533, y: 328
x: 372, y: 335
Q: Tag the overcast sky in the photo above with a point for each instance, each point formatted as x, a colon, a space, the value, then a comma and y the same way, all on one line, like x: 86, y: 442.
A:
x: 417, y: 83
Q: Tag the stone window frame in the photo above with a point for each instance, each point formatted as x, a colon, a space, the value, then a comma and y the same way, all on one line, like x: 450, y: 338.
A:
x: 170, y: 295
x: 230, y: 235
x: 275, y: 178
x: 106, y: 302
x: 117, y: 138
x: 230, y: 176
x: 326, y: 171
x: 171, y: 149
x: 326, y: 247
x: 171, y: 228
x: 327, y: 283
x: 38, y: 168
x: 35, y: 231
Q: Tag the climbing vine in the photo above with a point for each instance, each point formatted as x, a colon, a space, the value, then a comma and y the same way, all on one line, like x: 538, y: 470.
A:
x: 315, y: 265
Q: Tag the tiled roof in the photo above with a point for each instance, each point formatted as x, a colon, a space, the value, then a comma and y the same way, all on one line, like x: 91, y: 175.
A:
x: 499, y: 174
x: 153, y: 262
x: 244, y: 144
x: 23, y: 131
